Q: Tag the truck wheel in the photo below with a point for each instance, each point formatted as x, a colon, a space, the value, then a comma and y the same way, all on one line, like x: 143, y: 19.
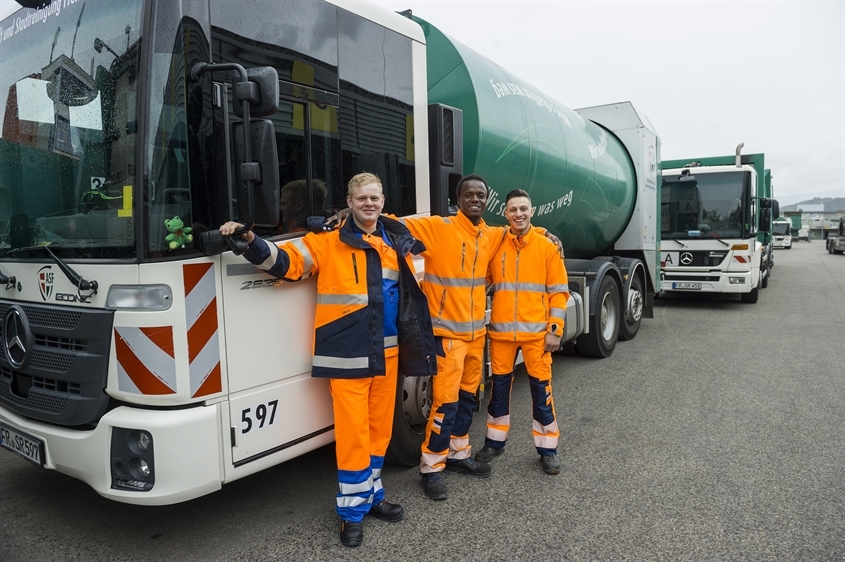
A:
x: 413, y: 403
x: 630, y: 324
x: 764, y: 279
x: 751, y: 297
x: 829, y: 248
x: 604, y: 324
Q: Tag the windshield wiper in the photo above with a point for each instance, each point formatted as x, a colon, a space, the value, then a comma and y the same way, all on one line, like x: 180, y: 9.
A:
x: 676, y: 241
x: 80, y: 283
x: 77, y: 280
x: 720, y: 240
x: 8, y: 281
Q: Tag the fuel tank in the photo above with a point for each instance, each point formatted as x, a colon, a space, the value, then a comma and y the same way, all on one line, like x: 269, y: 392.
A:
x: 579, y: 175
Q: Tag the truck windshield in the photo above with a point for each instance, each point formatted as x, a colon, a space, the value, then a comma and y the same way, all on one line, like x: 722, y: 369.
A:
x: 708, y: 206
x: 68, y: 128
x: 781, y: 228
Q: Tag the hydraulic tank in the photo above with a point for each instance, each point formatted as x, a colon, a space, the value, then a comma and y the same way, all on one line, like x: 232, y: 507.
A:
x: 579, y: 175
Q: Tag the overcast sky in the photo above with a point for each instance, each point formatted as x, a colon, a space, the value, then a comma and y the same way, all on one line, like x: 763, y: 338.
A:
x: 709, y: 75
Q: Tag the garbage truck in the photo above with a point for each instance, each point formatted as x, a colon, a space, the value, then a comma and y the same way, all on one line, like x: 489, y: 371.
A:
x: 716, y: 225
x: 782, y: 233
x: 141, y: 361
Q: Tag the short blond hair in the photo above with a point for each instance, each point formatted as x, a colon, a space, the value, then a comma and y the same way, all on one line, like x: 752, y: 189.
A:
x: 361, y: 179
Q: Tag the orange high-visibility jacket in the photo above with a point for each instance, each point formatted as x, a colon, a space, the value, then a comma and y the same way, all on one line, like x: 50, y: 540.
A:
x: 530, y: 288
x: 349, y: 339
x: 456, y: 258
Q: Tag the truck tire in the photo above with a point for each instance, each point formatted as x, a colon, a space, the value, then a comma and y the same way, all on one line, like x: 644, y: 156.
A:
x: 829, y: 247
x: 633, y: 315
x: 413, y: 403
x: 604, y: 324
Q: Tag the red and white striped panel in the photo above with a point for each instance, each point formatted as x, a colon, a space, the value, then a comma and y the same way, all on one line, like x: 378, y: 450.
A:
x: 201, y: 319
x: 145, y: 360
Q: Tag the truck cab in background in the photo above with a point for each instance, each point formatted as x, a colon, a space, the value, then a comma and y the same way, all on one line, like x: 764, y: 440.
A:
x: 782, y: 233
x: 836, y: 244
x: 716, y: 225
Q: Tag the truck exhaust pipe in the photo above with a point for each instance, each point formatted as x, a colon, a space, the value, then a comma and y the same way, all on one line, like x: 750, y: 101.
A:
x: 738, y: 153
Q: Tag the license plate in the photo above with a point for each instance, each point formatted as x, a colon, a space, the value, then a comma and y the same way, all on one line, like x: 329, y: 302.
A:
x: 695, y: 286
x: 27, y: 446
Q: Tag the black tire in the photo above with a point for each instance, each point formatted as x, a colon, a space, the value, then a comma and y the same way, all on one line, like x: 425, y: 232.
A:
x: 764, y: 279
x: 632, y: 315
x: 751, y: 297
x: 604, y: 324
x: 413, y: 403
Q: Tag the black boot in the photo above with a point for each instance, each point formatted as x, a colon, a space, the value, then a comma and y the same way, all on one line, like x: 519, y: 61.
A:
x: 351, y: 533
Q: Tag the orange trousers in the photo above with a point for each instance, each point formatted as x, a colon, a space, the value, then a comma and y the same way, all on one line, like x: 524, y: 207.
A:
x: 459, y: 372
x: 363, y: 423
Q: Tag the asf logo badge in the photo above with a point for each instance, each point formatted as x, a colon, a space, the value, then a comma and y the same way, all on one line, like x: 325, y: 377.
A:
x: 45, y: 282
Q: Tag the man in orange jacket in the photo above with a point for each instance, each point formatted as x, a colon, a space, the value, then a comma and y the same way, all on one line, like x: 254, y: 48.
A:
x: 371, y: 317
x: 530, y: 290
x: 458, y: 251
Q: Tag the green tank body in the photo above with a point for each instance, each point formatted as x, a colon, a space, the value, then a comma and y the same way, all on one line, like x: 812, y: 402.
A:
x: 580, y: 177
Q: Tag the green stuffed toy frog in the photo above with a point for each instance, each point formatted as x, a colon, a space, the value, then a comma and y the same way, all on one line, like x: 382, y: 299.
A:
x: 179, y: 233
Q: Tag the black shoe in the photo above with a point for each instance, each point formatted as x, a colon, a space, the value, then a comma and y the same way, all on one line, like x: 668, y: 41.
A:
x: 486, y: 454
x: 351, y: 533
x: 435, y: 488
x: 469, y: 467
x: 550, y: 464
x: 387, y: 511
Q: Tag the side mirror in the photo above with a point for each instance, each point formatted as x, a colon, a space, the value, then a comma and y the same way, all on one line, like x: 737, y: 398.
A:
x: 765, y: 219
x: 262, y: 92
x: 775, y: 208
x: 262, y: 172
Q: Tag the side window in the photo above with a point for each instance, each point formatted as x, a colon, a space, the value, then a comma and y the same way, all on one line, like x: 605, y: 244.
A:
x: 308, y: 147
x: 376, y: 108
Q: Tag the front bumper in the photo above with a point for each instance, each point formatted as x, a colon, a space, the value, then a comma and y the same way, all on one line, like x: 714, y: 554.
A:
x: 187, y: 451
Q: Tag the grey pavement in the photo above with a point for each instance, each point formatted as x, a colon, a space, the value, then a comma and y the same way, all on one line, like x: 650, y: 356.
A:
x: 718, y: 433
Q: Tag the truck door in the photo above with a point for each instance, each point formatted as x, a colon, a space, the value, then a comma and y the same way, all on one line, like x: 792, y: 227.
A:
x: 269, y: 323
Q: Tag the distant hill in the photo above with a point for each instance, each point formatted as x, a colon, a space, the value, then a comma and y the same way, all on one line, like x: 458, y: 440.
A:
x: 831, y: 204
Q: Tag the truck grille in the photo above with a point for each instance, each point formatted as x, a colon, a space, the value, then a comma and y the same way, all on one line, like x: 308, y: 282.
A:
x: 63, y: 377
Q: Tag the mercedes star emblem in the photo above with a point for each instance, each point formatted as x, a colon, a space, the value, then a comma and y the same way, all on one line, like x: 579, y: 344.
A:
x: 686, y: 258
x: 16, y: 337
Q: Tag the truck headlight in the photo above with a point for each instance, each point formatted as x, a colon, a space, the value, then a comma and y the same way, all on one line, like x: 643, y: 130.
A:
x: 132, y: 460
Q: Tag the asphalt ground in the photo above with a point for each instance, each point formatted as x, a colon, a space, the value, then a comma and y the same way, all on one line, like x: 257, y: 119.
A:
x: 717, y: 434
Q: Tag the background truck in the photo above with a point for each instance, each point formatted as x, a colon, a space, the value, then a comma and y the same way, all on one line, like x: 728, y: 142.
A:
x: 836, y: 244
x: 145, y: 361
x: 716, y: 225
x: 782, y: 233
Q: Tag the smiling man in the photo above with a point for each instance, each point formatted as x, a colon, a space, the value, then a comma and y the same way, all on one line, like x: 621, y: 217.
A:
x: 530, y: 290
x: 369, y: 309
x: 458, y: 251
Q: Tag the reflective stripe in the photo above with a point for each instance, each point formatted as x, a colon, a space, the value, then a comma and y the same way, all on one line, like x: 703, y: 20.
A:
x: 530, y: 327
x: 352, y: 501
x: 454, y: 281
x: 545, y: 436
x: 376, y: 474
x: 557, y: 313
x: 271, y: 259
x: 376, y: 487
x: 340, y: 362
x: 458, y: 327
x: 528, y: 287
x: 563, y: 288
x: 431, y: 461
x: 357, y: 488
x: 459, y: 448
x: 392, y: 274
x: 308, y: 264
x: 323, y: 298
x: 391, y: 341
x: 497, y: 428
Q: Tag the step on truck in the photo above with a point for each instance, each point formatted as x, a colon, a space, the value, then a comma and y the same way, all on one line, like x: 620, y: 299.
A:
x: 716, y: 225
x: 141, y: 358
